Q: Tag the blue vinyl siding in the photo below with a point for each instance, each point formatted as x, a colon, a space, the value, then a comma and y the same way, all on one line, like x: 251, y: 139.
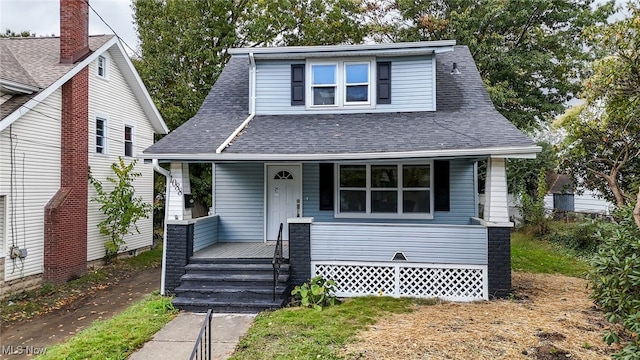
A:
x: 205, y: 232
x: 462, y: 197
x: 412, y: 87
x: 239, y: 192
x: 439, y: 244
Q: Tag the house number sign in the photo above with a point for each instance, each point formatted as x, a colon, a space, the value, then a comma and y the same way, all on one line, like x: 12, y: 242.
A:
x: 176, y: 185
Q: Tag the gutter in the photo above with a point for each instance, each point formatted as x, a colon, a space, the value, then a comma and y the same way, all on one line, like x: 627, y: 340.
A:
x: 252, y: 106
x: 522, y: 152
x: 167, y: 175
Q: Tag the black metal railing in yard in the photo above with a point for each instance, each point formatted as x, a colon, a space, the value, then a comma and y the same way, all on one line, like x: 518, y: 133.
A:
x: 202, y: 347
x: 278, y: 259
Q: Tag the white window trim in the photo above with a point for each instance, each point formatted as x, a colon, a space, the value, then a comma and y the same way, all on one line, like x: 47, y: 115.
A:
x: 344, y: 85
x: 126, y: 124
x: 105, y: 67
x: 368, y: 214
x: 105, y: 135
x: 341, y: 78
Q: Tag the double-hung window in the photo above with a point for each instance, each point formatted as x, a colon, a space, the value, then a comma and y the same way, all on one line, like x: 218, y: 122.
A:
x: 342, y: 83
x: 101, y: 135
x: 323, y: 84
x: 102, y: 66
x: 384, y: 191
x: 128, y: 141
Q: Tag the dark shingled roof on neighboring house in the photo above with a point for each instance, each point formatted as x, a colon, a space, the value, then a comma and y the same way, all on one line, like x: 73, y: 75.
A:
x: 464, y: 118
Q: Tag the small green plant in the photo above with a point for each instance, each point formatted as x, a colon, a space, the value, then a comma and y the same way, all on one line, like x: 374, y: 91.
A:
x: 317, y: 293
x: 122, y: 209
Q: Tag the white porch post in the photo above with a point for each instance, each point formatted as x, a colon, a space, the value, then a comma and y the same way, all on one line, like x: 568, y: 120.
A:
x: 179, y: 186
x: 496, y: 204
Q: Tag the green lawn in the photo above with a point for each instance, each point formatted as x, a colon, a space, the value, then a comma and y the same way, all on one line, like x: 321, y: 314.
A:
x: 301, y: 333
x: 119, y: 336
x: 529, y: 254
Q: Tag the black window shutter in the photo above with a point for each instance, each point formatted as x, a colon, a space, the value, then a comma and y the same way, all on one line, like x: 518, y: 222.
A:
x: 326, y: 187
x: 297, y: 84
x: 384, y: 83
x: 441, y: 185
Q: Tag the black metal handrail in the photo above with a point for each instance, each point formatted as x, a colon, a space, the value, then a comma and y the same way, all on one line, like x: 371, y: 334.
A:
x: 202, y: 347
x: 278, y: 259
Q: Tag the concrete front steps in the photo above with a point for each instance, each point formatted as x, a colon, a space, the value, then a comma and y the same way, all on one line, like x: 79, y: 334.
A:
x: 231, y: 286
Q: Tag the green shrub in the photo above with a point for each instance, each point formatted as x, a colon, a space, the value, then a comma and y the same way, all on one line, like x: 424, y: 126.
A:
x: 616, y: 282
x: 534, y: 216
x: 583, y: 236
x: 317, y: 293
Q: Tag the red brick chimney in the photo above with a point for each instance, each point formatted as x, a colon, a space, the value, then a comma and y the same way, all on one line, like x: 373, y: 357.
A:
x: 74, y: 30
x: 65, y: 228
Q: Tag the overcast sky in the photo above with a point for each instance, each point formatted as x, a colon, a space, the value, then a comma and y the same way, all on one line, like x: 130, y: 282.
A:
x: 42, y: 17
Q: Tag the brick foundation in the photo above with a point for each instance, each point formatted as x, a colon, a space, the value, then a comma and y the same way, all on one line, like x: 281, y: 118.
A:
x: 499, y: 268
x: 299, y: 253
x: 179, y: 250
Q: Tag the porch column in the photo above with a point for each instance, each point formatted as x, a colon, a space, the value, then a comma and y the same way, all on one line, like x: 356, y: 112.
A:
x: 179, y: 248
x: 496, y: 216
x: 496, y: 203
x: 179, y: 186
x: 299, y: 250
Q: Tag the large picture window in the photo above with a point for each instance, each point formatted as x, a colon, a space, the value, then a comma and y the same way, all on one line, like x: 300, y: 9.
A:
x: 377, y: 190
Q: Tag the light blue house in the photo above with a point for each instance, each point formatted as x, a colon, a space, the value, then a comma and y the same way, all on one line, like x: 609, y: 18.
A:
x: 367, y: 154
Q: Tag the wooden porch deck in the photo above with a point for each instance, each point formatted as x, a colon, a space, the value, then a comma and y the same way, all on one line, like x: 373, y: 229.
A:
x: 248, y: 250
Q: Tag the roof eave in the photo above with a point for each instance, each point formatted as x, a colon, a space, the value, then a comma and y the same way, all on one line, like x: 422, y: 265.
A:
x: 331, y: 50
x: 526, y: 152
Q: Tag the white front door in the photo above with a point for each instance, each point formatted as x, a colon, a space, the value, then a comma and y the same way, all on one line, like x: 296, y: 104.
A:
x: 284, y: 197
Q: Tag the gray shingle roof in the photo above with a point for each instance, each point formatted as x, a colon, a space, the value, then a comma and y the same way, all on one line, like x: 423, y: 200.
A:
x: 465, y: 119
x: 34, y: 61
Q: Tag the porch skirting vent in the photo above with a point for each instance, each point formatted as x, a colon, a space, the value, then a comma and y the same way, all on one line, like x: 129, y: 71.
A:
x: 448, y: 282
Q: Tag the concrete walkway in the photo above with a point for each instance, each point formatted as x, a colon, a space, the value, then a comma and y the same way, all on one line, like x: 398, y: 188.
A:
x: 177, y: 338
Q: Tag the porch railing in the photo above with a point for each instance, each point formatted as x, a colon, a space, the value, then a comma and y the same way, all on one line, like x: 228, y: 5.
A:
x: 278, y: 259
x: 202, y: 347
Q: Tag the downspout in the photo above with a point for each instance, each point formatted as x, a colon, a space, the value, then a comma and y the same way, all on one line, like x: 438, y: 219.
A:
x: 167, y: 175
x: 252, y: 105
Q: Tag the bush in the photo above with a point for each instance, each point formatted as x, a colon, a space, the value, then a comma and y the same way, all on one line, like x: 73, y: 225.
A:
x: 616, y: 282
x: 317, y: 293
x: 534, y: 216
x: 583, y: 236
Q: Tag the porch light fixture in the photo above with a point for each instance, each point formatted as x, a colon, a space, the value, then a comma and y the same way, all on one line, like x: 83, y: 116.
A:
x: 455, y: 70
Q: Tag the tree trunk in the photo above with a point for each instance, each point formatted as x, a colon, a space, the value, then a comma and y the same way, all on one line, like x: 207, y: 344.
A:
x: 636, y: 210
x: 615, y: 189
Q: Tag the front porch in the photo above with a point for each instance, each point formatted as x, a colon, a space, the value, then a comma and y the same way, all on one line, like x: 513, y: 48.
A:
x: 243, y: 250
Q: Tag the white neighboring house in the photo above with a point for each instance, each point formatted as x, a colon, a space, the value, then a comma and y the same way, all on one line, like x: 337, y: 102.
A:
x: 566, y: 198
x: 46, y: 234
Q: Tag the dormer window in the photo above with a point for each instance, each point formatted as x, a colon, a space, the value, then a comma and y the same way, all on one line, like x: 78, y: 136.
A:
x: 338, y: 84
x: 323, y: 84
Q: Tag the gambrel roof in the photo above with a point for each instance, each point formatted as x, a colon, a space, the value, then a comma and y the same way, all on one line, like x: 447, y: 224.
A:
x: 465, y: 123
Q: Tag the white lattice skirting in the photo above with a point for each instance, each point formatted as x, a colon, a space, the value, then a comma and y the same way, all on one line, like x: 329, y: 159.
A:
x: 449, y: 282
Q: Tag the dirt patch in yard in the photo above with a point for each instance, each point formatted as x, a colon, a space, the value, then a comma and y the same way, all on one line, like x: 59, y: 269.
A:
x: 551, y: 317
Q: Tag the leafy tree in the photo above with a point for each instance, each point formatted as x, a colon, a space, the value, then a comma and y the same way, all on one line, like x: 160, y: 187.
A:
x: 528, y: 52
x: 602, y: 147
x: 9, y: 33
x: 122, y: 209
x: 523, y: 174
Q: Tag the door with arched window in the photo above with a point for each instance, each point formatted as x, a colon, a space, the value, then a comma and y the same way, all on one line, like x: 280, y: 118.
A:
x: 284, y: 196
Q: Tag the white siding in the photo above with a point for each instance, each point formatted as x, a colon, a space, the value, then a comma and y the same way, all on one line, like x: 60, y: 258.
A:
x: 411, y: 87
x: 3, y: 226
x: 113, y: 97
x: 36, y: 142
